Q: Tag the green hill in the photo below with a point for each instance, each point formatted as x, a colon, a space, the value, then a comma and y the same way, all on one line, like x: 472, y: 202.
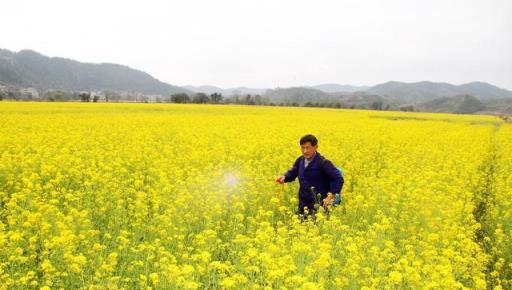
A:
x: 28, y: 68
x: 462, y: 104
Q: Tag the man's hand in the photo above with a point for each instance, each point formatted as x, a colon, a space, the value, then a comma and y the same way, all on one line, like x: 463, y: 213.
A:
x: 280, y: 179
x: 328, y: 200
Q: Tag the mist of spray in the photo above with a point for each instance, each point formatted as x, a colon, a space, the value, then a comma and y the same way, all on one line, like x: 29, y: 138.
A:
x: 230, y: 180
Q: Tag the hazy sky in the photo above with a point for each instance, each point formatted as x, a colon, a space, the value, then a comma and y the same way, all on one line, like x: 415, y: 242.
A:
x: 274, y: 43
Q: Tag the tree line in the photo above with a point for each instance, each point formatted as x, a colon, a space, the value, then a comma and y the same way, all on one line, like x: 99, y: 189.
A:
x: 196, y: 98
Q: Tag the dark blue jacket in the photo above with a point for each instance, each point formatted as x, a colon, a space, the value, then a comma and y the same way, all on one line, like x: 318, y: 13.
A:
x: 324, y: 177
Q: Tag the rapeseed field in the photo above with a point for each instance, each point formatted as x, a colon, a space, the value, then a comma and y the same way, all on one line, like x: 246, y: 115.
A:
x: 163, y: 196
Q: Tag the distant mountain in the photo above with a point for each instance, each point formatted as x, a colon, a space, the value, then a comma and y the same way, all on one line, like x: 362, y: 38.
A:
x: 227, y: 92
x: 205, y: 89
x: 246, y: 90
x: 391, y: 93
x: 485, y: 90
x: 28, y: 68
x: 462, y: 104
x: 336, y: 88
x: 503, y: 105
x: 411, y: 93
x: 364, y: 100
x: 299, y: 95
x: 326, y: 88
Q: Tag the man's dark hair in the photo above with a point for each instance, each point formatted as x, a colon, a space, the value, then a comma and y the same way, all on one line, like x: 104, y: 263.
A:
x: 308, y: 138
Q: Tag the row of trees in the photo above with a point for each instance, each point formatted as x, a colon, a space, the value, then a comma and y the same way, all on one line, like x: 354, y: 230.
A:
x: 65, y: 95
x: 217, y: 98
x: 8, y: 95
x: 198, y: 98
x: 202, y: 98
x: 86, y: 97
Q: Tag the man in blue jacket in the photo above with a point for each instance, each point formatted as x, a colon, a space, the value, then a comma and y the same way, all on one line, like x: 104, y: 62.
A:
x: 313, y: 170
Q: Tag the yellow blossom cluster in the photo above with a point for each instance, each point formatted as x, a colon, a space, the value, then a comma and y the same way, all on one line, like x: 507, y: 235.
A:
x: 165, y: 196
x: 496, y: 209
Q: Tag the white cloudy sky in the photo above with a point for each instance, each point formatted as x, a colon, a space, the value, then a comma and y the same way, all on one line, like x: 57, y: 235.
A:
x: 274, y: 43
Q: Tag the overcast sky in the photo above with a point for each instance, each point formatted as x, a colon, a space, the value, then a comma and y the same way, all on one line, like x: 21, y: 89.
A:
x: 274, y: 43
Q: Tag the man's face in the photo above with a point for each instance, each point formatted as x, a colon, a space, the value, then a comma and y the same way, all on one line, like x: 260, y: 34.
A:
x: 308, y: 150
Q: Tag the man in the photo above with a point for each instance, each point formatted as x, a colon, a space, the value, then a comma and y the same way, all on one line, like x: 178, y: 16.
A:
x: 315, y: 171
